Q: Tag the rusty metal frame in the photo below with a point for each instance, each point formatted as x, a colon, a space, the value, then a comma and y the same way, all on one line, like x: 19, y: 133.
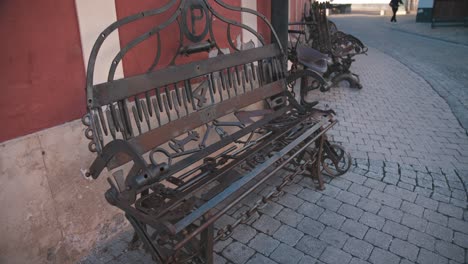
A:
x: 162, y: 123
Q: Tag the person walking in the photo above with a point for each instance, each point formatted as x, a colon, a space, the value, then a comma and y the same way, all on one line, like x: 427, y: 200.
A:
x: 394, y: 4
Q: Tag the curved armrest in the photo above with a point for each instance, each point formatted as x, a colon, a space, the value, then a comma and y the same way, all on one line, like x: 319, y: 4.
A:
x: 112, y: 149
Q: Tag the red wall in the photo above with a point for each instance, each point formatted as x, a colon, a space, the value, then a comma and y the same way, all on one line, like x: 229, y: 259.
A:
x: 41, y: 67
x: 140, y: 58
x: 42, y: 76
x: 264, y: 7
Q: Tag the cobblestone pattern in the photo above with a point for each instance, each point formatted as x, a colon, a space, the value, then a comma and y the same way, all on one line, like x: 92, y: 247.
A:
x: 404, y: 200
x: 443, y: 65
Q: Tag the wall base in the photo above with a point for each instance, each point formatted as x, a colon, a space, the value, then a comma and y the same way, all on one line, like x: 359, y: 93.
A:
x: 424, y: 15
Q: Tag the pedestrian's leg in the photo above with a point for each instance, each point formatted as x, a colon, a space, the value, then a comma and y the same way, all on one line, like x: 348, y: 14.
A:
x: 394, y: 9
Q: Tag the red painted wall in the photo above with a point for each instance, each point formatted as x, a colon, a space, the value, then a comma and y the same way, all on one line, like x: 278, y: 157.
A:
x: 42, y: 76
x: 141, y: 57
x: 41, y: 67
x: 264, y: 7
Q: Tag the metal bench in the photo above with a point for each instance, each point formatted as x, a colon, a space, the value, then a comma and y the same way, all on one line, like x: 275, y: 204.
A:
x: 187, y: 142
x: 321, y: 34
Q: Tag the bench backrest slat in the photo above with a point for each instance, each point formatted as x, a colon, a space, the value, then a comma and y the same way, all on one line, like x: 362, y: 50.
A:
x: 113, y: 91
x: 152, y: 108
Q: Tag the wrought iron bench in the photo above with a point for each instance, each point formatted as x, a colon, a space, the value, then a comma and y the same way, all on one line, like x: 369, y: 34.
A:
x: 187, y: 142
x: 321, y: 34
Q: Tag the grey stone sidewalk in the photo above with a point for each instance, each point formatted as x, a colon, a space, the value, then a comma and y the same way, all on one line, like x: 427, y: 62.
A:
x: 442, y: 64
x: 404, y: 201
x: 408, y: 24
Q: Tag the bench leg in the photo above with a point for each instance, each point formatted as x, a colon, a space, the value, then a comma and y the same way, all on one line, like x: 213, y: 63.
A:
x: 207, y: 240
x: 316, y: 168
x: 140, y: 230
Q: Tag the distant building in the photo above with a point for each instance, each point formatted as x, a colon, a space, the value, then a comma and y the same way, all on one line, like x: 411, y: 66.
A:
x: 448, y: 12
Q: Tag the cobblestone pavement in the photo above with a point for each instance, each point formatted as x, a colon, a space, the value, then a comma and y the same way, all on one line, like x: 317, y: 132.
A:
x: 458, y: 35
x: 404, y: 201
x: 442, y: 64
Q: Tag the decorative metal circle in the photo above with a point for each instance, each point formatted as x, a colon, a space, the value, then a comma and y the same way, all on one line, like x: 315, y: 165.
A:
x: 190, y: 7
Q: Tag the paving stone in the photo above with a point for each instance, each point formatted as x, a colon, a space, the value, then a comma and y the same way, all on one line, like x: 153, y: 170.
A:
x: 380, y: 256
x: 404, y: 249
x: 385, y: 198
x: 311, y: 210
x: 439, y: 231
x: 356, y: 178
x: 329, y: 203
x: 378, y: 238
x: 390, y: 180
x: 350, y: 211
x: 243, y: 233
x: 450, y: 251
x: 358, y: 248
x: 311, y: 227
x: 309, y: 195
x: 428, y: 257
x: 426, y: 202
x: 435, y: 217
x: 217, y: 259
x: 309, y: 260
x: 358, y: 261
x: 378, y: 175
x: 372, y: 220
x: 369, y: 205
x: 293, y: 188
x: 285, y: 254
x: 425, y: 183
x: 375, y: 185
x: 406, y: 186
x: 333, y: 237
x: 267, y: 224
x: 290, y: 201
x: 458, y: 225
x: 415, y: 222
x: 396, y: 229
x: 354, y: 228
x: 401, y: 193
x: 359, y: 189
x: 264, y: 244
x: 331, y: 191
x: 222, y: 244
x: 347, y: 197
x: 271, y: 209
x: 450, y: 210
x: 391, y: 214
x: 224, y: 220
x: 311, y: 246
x: 289, y: 217
x: 238, y: 253
x: 333, y: 255
x: 260, y: 259
x: 459, y: 194
x: 288, y: 235
x: 461, y: 239
x: 421, y: 239
x: 441, y: 195
x: 341, y: 183
x: 412, y: 208
x: 426, y: 192
x: 407, y: 180
x: 333, y: 219
x: 459, y: 203
x: 405, y: 261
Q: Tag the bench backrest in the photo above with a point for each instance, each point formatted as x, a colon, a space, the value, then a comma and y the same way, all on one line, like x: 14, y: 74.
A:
x: 151, y: 108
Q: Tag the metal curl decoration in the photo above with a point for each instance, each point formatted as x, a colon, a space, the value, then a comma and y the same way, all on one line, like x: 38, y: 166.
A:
x: 192, y: 39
